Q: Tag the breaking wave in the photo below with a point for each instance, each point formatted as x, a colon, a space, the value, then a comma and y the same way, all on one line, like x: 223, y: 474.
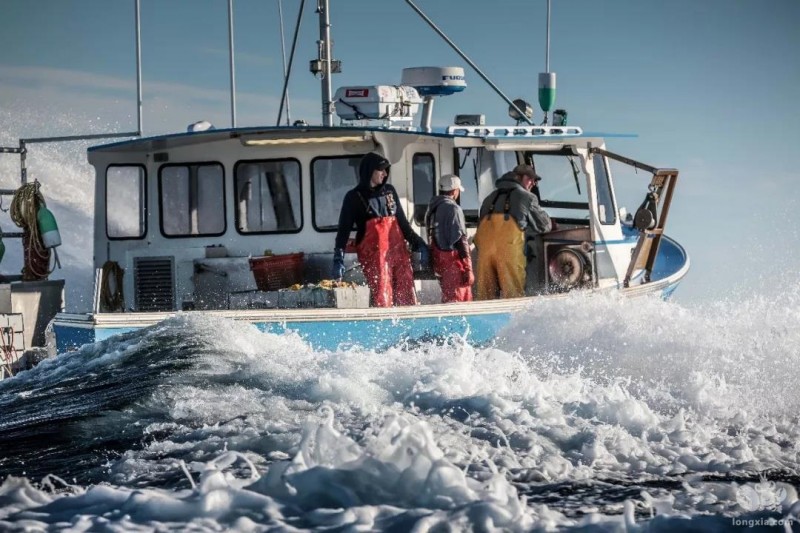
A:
x: 586, y: 411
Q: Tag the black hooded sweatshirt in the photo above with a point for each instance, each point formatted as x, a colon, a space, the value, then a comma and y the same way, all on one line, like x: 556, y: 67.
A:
x: 363, y: 203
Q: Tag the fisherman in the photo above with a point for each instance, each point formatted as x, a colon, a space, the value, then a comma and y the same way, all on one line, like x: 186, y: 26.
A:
x: 447, y: 236
x: 510, y: 221
x: 382, y: 230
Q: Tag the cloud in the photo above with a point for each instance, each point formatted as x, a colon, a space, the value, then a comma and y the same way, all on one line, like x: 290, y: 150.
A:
x: 240, y: 58
x: 83, y: 102
x: 25, y: 76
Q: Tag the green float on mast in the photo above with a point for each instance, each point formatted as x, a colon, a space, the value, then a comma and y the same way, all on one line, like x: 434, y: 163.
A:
x: 547, y: 91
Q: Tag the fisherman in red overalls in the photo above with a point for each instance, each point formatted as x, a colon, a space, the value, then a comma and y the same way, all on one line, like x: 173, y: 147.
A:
x: 382, y: 230
x: 447, y: 235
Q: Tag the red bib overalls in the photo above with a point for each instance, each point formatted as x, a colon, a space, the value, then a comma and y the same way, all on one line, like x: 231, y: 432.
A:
x: 450, y: 268
x: 386, y: 263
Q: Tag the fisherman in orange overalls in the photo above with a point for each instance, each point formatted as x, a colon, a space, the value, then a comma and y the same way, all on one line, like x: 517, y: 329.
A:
x: 382, y: 231
x: 447, y: 236
x: 510, y: 218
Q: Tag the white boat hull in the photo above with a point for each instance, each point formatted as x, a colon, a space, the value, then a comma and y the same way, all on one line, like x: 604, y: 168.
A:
x: 373, y: 328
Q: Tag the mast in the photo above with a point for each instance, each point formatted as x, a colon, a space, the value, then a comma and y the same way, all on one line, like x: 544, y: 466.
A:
x: 325, y: 58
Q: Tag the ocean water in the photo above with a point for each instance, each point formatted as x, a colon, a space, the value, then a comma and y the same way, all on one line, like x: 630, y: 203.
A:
x: 590, y: 413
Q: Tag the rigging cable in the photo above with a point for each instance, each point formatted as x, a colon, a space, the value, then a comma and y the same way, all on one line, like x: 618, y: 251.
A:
x: 283, y: 57
x: 285, y: 92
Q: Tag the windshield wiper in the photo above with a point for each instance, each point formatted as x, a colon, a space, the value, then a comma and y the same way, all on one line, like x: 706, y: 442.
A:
x: 575, y: 173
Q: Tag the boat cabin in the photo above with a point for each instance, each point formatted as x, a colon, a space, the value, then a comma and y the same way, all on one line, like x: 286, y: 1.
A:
x: 187, y: 217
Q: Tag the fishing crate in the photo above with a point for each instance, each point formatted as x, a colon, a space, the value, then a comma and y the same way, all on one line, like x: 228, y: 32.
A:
x: 315, y: 297
x: 273, y: 272
x: 304, y: 298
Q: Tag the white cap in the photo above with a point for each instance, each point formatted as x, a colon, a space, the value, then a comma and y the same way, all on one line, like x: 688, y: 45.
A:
x: 450, y: 182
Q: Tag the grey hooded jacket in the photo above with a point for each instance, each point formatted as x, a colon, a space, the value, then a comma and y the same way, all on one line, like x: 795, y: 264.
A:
x: 446, y: 219
x: 523, y: 206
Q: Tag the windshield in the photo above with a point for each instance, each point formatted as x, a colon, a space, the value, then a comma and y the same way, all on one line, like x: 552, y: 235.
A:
x: 479, y: 169
x: 562, y: 190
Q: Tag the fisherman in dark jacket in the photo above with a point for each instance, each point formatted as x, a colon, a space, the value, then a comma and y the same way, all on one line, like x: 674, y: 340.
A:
x: 382, y: 230
x: 510, y: 220
x: 447, y: 236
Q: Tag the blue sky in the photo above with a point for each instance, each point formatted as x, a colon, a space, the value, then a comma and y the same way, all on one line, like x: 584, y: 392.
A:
x: 710, y: 86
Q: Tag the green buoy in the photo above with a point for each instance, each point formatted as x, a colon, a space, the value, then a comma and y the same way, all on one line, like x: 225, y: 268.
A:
x: 48, y: 228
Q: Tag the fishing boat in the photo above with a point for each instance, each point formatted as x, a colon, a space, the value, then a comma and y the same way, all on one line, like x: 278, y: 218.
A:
x: 240, y: 222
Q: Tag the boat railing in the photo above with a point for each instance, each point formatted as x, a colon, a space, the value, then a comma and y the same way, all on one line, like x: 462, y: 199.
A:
x: 651, y: 217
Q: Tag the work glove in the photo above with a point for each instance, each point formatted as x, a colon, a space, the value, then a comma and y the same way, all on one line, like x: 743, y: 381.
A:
x: 338, y: 264
x: 467, y: 277
x: 424, y: 256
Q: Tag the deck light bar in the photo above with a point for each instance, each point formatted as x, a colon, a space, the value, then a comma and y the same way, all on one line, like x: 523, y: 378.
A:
x: 495, y: 145
x: 266, y: 141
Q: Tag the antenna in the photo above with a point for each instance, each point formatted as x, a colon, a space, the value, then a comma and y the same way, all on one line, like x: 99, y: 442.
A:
x: 232, y: 67
x: 547, y: 79
x: 547, y: 48
x: 137, y: 26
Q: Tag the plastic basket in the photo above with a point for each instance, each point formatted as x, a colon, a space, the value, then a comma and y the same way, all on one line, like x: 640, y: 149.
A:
x: 275, y: 272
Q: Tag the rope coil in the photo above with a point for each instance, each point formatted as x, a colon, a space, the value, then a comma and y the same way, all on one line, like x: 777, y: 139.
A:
x: 23, y: 212
x: 111, y: 299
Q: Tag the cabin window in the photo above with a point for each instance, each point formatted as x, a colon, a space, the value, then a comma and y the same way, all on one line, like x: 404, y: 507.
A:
x: 125, y: 202
x: 562, y: 190
x: 605, y: 200
x: 268, y: 196
x: 424, y: 177
x: 331, y: 178
x: 192, y: 200
x: 479, y: 169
